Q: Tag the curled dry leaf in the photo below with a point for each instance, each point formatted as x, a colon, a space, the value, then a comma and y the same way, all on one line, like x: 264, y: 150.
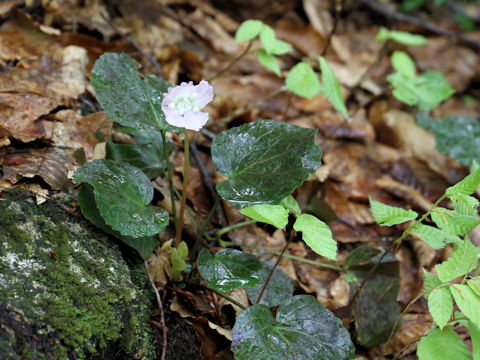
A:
x: 160, y: 265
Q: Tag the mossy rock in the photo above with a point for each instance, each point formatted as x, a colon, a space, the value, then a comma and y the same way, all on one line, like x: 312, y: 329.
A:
x: 65, y: 290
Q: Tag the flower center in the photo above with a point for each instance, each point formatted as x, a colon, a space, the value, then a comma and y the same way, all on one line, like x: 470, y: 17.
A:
x: 185, y: 104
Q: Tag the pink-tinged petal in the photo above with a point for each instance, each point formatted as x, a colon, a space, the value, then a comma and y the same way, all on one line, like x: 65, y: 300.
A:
x: 204, y: 93
x: 195, y: 120
x: 174, y: 92
x: 173, y: 117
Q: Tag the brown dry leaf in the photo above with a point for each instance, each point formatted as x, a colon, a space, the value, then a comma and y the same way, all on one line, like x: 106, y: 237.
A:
x: 303, y: 37
x: 318, y: 13
x: 92, y: 14
x: 6, y: 6
x: 22, y: 39
x: 35, y: 88
x: 178, y: 305
x: 159, y: 264
x: 238, y: 294
x: 212, y: 342
x: 403, y: 191
x: 41, y: 194
x: 51, y: 164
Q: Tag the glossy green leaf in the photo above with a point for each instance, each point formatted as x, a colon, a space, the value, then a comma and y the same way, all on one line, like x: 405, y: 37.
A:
x: 279, y: 288
x: 303, y: 81
x: 264, y: 161
x: 331, y: 87
x: 375, y: 310
x: 248, y: 30
x: 125, y: 97
x: 269, y: 61
x: 440, y: 305
x: 455, y: 136
x: 147, y: 157
x: 434, y: 237
x: 275, y: 215
x: 467, y: 186
x: 445, y: 344
x: 361, y: 254
x: 430, y: 281
x: 291, y: 204
x: 122, y: 193
x: 303, y: 329
x: 467, y: 301
x: 401, y: 37
x: 403, y: 64
x: 387, y: 215
x: 179, y: 255
x: 86, y: 199
x: 317, y: 235
x: 453, y: 222
x: 229, y: 269
x: 461, y: 261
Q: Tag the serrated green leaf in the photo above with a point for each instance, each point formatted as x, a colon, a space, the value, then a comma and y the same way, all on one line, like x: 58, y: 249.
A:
x: 467, y: 301
x: 267, y: 38
x: 440, y: 305
x: 403, y: 64
x: 125, y: 97
x: 179, y: 256
x: 264, y: 160
x: 361, y: 254
x: 248, y: 30
x: 445, y: 344
x: 86, y: 199
x: 279, y: 288
x: 268, y: 61
x: 375, y: 310
x: 404, y: 89
x: 434, y: 237
x: 474, y: 284
x: 280, y: 47
x: 275, y: 215
x: 461, y: 261
x: 387, y: 215
x: 430, y: 281
x: 303, y: 329
x: 467, y: 186
x: 401, y: 37
x: 432, y: 89
x: 303, y: 81
x: 122, y: 193
x: 291, y: 205
x: 465, y: 204
x: 475, y: 336
x: 454, y: 222
x: 317, y: 235
x: 331, y: 87
x: 229, y: 269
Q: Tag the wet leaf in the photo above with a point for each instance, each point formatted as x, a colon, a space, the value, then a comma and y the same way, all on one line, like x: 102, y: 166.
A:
x: 361, y: 254
x: 122, y: 193
x: 455, y: 136
x: 229, y: 269
x: 303, y: 329
x: 376, y: 309
x: 125, y: 97
x: 265, y: 161
x: 279, y: 288
x: 86, y: 199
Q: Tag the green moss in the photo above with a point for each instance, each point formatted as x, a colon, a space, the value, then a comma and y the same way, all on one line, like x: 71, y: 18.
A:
x: 70, y: 282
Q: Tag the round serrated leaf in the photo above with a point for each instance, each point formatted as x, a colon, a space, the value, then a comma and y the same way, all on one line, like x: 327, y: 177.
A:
x: 275, y: 215
x: 303, y: 329
x: 278, y: 290
x: 122, y: 193
x: 303, y: 81
x: 125, y: 97
x: 443, y: 344
x: 229, y: 269
x: 264, y: 161
x: 317, y: 235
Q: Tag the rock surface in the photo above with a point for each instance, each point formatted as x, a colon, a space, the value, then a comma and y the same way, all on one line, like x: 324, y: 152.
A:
x: 65, y: 290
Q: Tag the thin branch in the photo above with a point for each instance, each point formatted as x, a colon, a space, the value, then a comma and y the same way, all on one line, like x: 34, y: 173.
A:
x: 233, y: 62
x: 338, y: 10
x: 372, y: 4
x: 160, y: 307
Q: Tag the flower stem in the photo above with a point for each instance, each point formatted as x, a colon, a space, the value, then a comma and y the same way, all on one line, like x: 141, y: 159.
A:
x: 225, y: 296
x: 169, y: 177
x: 178, y: 237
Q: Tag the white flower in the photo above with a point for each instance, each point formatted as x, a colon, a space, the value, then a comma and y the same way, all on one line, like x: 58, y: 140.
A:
x: 182, y: 105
